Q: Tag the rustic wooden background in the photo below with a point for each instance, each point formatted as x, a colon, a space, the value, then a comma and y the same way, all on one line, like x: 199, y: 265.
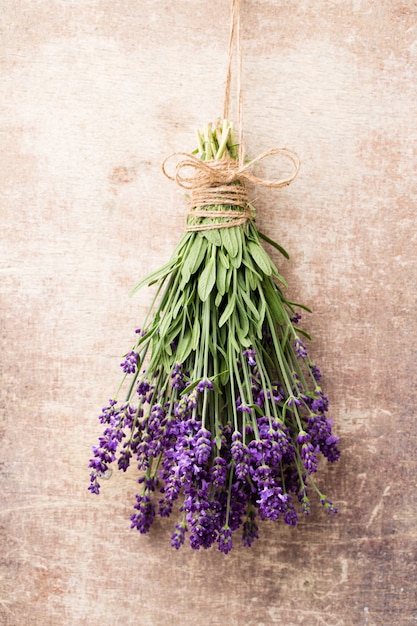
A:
x: 94, y: 94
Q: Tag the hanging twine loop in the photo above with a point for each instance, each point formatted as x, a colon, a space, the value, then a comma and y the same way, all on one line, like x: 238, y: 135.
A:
x: 222, y: 184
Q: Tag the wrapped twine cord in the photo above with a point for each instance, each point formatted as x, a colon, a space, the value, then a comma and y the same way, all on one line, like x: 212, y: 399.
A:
x: 224, y: 182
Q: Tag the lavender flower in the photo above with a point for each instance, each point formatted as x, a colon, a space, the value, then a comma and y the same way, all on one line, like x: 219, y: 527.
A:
x: 315, y: 372
x: 329, y: 507
x: 218, y: 472
x: 309, y: 458
x: 130, y: 363
x: 203, y: 446
x: 178, y: 536
x: 143, y: 519
x: 250, y: 354
x: 177, y: 377
x: 300, y: 349
x: 225, y: 539
x: 204, y: 384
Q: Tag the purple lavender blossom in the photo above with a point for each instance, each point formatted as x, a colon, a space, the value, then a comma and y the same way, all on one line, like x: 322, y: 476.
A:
x: 309, y: 457
x: 329, y: 506
x: 124, y: 459
x: 300, y: 349
x: 272, y: 501
x: 320, y: 430
x: 218, y: 472
x: 315, y: 372
x: 204, y: 384
x: 225, y: 539
x: 105, y: 452
x: 177, y: 377
x: 240, y: 455
x: 320, y: 403
x: 250, y: 354
x: 275, y: 442
x: 295, y: 318
x: 202, y: 527
x: 142, y: 520
x: 303, y: 437
x: 178, y: 536
x: 290, y: 516
x: 109, y: 414
x: 242, y: 407
x: 203, y: 446
x: 130, y: 363
x: 144, y: 390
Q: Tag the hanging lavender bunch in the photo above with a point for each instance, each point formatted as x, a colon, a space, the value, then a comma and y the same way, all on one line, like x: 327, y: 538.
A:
x: 223, y: 410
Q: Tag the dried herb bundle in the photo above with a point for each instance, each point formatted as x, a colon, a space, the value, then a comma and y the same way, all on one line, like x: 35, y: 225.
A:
x: 223, y: 409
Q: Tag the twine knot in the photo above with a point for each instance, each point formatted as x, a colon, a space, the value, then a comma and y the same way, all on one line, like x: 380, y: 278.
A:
x: 221, y: 183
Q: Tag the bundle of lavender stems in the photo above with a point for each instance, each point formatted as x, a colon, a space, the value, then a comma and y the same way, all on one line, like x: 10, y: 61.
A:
x: 220, y: 407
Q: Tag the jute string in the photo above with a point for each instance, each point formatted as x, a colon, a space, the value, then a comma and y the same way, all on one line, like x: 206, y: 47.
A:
x: 220, y: 183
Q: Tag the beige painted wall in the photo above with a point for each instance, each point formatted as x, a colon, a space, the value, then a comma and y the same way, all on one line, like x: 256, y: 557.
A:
x: 94, y: 94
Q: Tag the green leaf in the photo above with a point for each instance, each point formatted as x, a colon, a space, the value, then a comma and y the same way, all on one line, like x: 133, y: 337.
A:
x: 260, y: 257
x: 224, y: 260
x: 166, y: 362
x: 241, y: 281
x: 256, y: 408
x: 233, y: 344
x: 213, y: 236
x: 249, y: 264
x: 278, y: 276
x: 160, y: 274
x: 230, y: 307
x: 194, y: 384
x: 244, y: 319
x: 166, y: 323
x: 274, y: 243
x: 193, y: 258
x: 262, y: 311
x: 253, y: 281
x: 217, y: 387
x: 249, y: 303
x: 171, y: 333
x: 185, y: 345
x: 221, y: 278
x: 301, y: 306
x: 236, y: 261
x: 243, y: 338
x: 207, y: 279
x: 196, y: 334
x: 198, y: 259
x: 229, y: 241
x: 273, y: 302
x: 225, y: 375
x: 303, y: 332
x: 229, y: 277
x: 284, y: 340
x: 177, y: 308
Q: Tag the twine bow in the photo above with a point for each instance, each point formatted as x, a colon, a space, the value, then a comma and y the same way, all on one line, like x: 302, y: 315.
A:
x: 223, y: 182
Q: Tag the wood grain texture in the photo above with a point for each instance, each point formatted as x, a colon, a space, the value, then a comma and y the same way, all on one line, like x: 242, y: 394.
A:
x: 94, y: 95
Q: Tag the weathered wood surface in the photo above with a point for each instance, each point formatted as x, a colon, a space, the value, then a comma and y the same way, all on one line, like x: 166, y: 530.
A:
x: 94, y: 95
